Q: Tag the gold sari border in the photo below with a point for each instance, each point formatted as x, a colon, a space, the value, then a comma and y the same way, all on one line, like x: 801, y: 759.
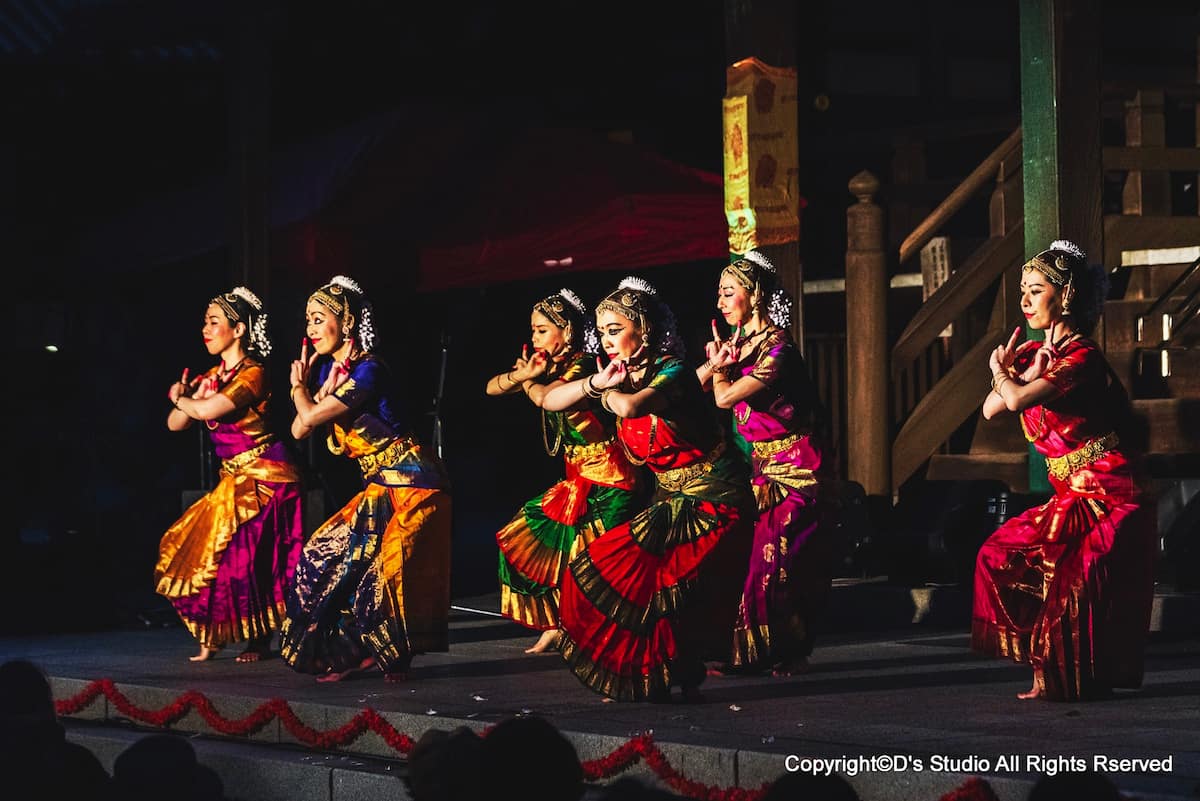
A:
x: 532, y: 612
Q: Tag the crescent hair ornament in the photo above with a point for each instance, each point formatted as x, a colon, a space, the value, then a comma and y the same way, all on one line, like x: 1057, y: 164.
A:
x: 248, y: 296
x: 240, y: 305
x: 1054, y: 262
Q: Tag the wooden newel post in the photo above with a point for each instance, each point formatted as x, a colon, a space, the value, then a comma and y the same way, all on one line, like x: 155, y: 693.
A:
x: 868, y: 449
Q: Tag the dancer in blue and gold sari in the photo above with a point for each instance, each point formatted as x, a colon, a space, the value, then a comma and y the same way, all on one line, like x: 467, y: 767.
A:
x: 373, y: 584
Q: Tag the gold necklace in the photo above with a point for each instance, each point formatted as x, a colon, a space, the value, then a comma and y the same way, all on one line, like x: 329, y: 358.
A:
x: 633, y: 460
x: 558, y: 433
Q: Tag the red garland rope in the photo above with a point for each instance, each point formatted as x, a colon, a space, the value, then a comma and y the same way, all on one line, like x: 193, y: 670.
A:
x: 641, y: 748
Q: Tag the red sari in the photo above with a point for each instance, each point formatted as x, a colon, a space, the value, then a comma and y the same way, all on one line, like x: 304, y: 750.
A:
x: 1067, y: 586
x: 646, y: 600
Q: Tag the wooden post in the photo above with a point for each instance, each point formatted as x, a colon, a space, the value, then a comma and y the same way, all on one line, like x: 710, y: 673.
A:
x: 1060, y: 121
x: 1146, y: 192
x: 868, y: 448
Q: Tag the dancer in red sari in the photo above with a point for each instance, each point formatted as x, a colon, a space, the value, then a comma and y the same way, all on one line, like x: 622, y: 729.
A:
x: 1067, y: 586
x: 644, y: 602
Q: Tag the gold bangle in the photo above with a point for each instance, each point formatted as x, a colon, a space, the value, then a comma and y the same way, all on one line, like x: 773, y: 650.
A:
x: 998, y: 380
x: 604, y: 400
x: 292, y: 391
x: 589, y: 389
x: 508, y: 377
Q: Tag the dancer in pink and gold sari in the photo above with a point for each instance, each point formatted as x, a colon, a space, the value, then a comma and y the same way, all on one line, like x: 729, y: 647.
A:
x: 227, y: 564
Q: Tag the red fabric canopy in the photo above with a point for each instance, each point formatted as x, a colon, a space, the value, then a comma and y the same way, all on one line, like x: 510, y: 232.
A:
x: 562, y: 202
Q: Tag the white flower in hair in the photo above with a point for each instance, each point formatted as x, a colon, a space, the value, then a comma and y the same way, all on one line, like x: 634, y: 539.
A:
x: 640, y: 284
x: 1067, y: 246
x: 573, y: 299
x: 248, y: 296
x: 759, y: 259
x: 346, y: 282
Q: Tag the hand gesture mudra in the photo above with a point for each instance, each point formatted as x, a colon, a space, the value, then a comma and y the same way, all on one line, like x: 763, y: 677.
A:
x: 720, y: 353
x: 611, y: 375
x: 1001, y: 359
x: 1045, y: 356
x: 527, y: 367
x: 182, y: 387
x: 298, y: 374
x: 339, y: 373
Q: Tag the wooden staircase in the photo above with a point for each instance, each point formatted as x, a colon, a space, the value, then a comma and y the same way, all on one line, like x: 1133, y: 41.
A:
x: 1165, y: 389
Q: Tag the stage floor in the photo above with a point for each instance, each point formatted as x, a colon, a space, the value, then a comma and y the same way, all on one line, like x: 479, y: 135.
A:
x: 917, y: 693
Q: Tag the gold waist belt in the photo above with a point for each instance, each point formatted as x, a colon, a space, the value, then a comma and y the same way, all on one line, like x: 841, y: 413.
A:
x: 576, y: 452
x: 769, y: 447
x: 675, y: 479
x: 1062, y: 466
x: 372, y: 463
x: 235, y: 463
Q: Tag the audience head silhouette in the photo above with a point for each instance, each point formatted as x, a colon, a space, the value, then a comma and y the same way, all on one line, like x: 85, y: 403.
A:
x: 164, y: 766
x: 446, y: 766
x: 529, y: 759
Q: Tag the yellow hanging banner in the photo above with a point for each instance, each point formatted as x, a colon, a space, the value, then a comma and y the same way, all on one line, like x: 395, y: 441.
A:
x: 761, y: 142
x: 738, y: 211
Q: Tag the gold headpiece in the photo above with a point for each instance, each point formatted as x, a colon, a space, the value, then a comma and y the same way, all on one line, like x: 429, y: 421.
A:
x: 554, y: 309
x: 632, y: 301
x: 1052, y: 265
x: 331, y: 297
x: 226, y: 302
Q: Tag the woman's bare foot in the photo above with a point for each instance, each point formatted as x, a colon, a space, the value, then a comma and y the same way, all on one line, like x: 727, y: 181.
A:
x: 1036, y: 691
x: 205, y: 654
x: 548, y: 641
x: 331, y: 676
x: 256, y: 650
x: 792, y: 667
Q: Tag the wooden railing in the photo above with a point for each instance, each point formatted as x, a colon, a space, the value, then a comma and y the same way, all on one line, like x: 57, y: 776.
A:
x: 933, y: 394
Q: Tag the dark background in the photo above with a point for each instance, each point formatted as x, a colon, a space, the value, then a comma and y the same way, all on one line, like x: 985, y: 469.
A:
x: 112, y: 105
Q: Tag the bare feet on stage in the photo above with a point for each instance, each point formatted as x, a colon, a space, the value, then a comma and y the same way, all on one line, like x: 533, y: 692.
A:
x: 366, y: 664
x: 256, y: 650
x: 547, y: 642
x: 792, y: 667
x: 205, y: 654
x: 1036, y: 691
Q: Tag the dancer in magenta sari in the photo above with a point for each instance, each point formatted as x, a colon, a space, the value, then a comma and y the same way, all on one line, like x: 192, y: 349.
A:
x: 1067, y: 586
x: 227, y: 564
x: 761, y: 376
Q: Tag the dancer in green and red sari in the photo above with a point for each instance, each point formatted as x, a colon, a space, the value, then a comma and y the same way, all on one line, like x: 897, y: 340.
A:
x: 599, y: 489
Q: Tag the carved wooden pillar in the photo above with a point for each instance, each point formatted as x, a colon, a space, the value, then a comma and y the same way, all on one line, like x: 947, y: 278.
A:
x: 868, y: 447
